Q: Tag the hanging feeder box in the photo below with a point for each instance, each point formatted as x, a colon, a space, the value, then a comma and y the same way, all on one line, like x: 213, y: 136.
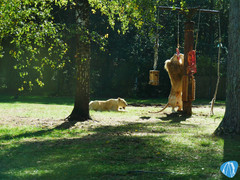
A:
x: 154, y: 77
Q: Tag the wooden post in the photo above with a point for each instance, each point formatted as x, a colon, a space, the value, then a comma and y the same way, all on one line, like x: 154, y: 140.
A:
x: 188, y: 94
x: 188, y: 46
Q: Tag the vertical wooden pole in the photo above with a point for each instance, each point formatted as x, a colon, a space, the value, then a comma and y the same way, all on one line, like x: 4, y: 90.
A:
x: 188, y: 46
x: 188, y: 85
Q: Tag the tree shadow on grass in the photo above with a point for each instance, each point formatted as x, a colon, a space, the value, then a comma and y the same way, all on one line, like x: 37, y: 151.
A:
x: 102, y: 155
x: 174, y: 117
x: 107, y: 153
x: 66, y: 125
x: 145, y: 117
x: 63, y: 126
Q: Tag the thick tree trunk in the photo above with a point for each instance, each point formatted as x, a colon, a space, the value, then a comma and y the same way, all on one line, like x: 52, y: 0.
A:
x: 81, y: 106
x: 231, y: 121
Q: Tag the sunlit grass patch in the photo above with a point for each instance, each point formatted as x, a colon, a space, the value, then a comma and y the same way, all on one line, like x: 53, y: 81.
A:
x: 11, y: 135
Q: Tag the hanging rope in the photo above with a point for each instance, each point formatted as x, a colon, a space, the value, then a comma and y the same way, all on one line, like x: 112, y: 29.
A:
x: 156, y: 46
x: 178, y: 33
x: 218, y: 67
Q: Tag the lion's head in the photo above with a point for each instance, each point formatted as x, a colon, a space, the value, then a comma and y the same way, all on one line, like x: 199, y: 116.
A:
x: 122, y: 103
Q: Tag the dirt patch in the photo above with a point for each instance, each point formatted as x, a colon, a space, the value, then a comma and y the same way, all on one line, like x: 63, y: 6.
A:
x: 29, y: 121
x: 144, y: 105
x: 134, y: 114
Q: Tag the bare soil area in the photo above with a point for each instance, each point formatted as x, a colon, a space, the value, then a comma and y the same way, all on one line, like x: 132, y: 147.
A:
x: 133, y: 114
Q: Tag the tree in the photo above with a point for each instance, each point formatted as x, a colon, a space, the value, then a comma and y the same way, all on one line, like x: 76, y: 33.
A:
x: 81, y: 108
x: 30, y: 28
x: 111, y: 9
x: 231, y: 121
x: 35, y: 23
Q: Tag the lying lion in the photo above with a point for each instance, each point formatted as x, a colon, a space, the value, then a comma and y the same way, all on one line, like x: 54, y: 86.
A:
x: 109, y: 105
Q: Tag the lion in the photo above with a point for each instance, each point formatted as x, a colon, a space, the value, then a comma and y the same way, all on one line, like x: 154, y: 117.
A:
x: 109, y: 105
x: 175, y: 69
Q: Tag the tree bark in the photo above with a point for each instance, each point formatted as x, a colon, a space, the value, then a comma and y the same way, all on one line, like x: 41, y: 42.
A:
x: 81, y: 106
x: 188, y: 46
x: 231, y: 121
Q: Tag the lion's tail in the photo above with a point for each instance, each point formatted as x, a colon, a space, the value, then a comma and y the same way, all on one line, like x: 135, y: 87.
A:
x: 162, y: 108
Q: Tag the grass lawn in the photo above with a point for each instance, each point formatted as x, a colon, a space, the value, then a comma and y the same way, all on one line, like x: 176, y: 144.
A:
x: 36, y: 142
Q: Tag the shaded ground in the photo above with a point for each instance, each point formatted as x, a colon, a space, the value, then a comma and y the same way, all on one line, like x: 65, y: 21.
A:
x: 36, y: 143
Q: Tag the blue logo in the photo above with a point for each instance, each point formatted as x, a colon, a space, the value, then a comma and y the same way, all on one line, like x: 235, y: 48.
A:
x: 229, y: 168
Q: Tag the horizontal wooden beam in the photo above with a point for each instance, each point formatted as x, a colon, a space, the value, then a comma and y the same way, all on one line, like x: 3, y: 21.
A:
x: 190, y: 9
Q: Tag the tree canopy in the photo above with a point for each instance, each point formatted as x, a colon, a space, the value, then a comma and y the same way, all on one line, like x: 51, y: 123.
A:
x: 30, y: 28
x: 35, y: 38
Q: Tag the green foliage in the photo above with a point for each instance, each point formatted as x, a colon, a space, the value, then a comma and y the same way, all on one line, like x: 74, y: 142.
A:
x: 132, y: 53
x: 131, y: 12
x: 40, y: 27
x: 30, y: 27
x: 123, y: 11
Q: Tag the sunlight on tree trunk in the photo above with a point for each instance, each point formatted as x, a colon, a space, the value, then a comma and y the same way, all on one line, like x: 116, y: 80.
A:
x: 81, y: 108
x: 231, y: 121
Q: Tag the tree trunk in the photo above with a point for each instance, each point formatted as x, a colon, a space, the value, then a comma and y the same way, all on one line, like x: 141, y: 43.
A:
x: 188, y: 46
x: 81, y: 106
x: 231, y: 121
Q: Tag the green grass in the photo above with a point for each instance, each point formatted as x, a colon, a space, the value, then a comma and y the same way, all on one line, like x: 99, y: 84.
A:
x: 37, y: 100
x: 70, y: 100
x: 115, y: 145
